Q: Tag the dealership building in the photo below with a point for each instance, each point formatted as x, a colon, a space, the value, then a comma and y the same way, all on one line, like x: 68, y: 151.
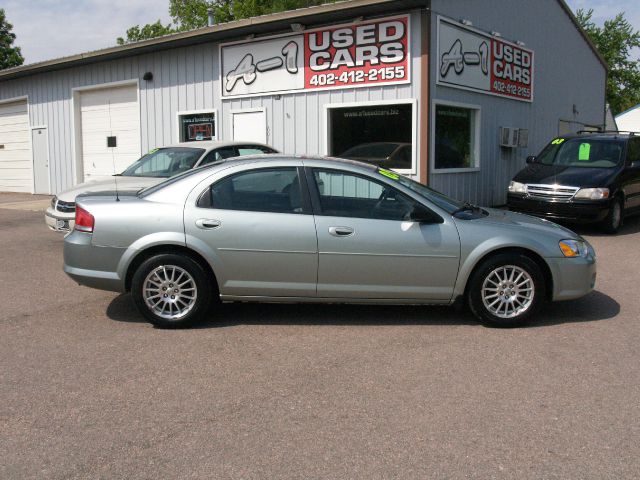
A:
x: 454, y: 93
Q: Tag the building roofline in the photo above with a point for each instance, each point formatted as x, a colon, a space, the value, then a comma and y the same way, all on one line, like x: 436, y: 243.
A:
x: 628, y: 110
x: 263, y: 24
x: 584, y: 34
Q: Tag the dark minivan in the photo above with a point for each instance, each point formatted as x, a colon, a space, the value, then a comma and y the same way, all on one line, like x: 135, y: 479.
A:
x: 589, y: 177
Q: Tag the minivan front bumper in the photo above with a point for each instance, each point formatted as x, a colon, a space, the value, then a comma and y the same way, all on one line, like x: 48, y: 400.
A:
x: 587, y: 211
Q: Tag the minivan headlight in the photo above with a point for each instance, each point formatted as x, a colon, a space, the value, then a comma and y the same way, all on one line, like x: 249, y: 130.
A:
x: 573, y: 248
x: 517, y: 187
x: 53, y: 202
x: 592, y: 193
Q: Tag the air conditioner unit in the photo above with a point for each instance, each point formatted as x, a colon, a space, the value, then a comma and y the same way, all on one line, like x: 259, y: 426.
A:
x: 508, y: 137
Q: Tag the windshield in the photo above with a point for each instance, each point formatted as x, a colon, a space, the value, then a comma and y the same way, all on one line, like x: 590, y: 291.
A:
x: 582, y: 153
x: 448, y: 204
x: 164, y: 162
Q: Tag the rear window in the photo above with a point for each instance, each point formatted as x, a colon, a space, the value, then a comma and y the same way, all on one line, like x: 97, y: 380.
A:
x: 583, y: 153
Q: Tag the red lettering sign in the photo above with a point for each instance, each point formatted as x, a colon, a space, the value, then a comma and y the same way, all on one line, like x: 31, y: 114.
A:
x: 361, y: 54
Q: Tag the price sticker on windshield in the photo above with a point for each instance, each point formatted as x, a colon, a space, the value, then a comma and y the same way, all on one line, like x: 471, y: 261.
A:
x: 584, y: 152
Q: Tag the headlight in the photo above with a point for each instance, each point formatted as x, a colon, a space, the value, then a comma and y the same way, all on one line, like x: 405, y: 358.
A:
x: 573, y: 248
x: 516, y: 187
x: 592, y: 193
x: 53, y: 202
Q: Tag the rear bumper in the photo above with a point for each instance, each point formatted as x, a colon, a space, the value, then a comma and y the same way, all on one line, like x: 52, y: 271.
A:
x: 571, y: 211
x: 90, y: 265
x: 58, y: 221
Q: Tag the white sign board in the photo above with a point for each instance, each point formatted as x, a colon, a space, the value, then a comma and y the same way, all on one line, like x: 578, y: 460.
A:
x: 473, y: 60
x: 339, y: 56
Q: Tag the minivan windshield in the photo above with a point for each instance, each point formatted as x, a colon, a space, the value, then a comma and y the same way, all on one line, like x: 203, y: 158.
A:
x: 164, y: 162
x: 582, y: 153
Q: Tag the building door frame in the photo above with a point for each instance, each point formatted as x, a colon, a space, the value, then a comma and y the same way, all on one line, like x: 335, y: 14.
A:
x: 33, y: 156
x: 263, y: 110
x: 76, y: 121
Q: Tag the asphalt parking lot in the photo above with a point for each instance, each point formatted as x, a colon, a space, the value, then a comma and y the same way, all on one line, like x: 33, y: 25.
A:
x: 90, y: 390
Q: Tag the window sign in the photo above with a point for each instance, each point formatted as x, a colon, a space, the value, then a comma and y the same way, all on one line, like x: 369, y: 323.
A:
x: 473, y: 60
x: 197, y: 126
x: 352, y: 55
x: 378, y: 134
x: 455, y: 137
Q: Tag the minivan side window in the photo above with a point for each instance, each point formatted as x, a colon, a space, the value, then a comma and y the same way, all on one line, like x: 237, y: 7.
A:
x: 349, y: 195
x: 275, y: 190
x: 633, y: 154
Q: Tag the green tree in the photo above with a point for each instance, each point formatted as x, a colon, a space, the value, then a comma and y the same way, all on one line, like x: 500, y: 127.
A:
x: 191, y: 14
x: 615, y: 41
x: 10, y: 56
x: 150, y: 30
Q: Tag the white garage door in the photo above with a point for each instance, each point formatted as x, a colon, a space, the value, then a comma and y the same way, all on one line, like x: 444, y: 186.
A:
x: 109, y: 113
x: 15, y: 150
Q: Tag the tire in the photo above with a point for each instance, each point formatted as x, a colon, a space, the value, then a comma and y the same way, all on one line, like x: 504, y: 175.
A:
x: 515, y: 306
x: 171, y: 291
x: 614, y: 218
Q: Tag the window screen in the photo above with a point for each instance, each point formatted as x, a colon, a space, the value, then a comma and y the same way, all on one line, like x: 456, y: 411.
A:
x: 455, y: 137
x: 378, y: 134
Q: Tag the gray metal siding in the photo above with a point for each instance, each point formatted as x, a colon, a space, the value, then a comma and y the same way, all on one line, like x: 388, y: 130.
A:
x: 566, y: 72
x: 184, y: 79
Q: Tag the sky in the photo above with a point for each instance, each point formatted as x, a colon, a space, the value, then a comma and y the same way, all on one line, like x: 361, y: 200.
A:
x: 47, y: 29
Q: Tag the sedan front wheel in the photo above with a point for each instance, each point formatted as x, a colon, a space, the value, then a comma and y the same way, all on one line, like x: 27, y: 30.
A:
x: 506, y: 290
x: 171, y: 290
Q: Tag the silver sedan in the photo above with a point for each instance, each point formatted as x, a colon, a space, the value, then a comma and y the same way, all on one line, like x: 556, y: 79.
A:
x: 296, y: 229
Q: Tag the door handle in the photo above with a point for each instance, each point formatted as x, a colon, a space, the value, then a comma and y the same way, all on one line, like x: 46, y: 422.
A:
x: 341, y: 231
x: 208, y: 224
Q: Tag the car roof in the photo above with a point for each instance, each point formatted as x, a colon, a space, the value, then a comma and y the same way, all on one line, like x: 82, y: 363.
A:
x: 211, y: 144
x: 199, y: 173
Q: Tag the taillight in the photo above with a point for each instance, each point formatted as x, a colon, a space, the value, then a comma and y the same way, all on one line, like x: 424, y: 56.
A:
x: 84, y: 220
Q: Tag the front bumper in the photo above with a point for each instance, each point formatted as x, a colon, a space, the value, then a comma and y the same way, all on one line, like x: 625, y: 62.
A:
x: 569, y: 211
x: 573, y: 277
x: 91, y: 265
x: 59, y: 221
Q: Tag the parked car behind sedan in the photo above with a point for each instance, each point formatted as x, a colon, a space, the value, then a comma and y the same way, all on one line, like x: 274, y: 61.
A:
x: 583, y: 178
x: 293, y: 229
x: 154, y: 167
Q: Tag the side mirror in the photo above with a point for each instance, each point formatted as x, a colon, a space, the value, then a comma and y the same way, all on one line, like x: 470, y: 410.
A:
x: 422, y: 214
x: 531, y: 159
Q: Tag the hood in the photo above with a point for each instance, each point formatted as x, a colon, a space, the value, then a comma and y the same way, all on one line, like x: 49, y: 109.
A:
x: 505, y: 218
x: 124, y: 184
x: 563, y: 175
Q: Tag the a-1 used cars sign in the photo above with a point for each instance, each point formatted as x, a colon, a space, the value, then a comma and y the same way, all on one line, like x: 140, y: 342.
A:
x: 473, y: 60
x: 352, y: 55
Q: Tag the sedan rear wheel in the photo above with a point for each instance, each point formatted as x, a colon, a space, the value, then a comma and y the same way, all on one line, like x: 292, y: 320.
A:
x: 171, y: 290
x: 506, y: 290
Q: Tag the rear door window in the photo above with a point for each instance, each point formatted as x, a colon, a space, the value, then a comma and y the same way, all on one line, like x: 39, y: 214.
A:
x: 275, y: 190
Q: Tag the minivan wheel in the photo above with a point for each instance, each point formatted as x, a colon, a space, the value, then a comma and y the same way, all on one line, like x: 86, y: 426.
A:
x: 171, y: 291
x: 506, y: 290
x: 614, y: 218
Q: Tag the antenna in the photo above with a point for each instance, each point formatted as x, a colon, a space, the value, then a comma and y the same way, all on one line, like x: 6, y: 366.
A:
x: 113, y: 156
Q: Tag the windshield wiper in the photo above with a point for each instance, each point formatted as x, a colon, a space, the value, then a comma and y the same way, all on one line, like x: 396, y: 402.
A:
x: 466, y: 207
